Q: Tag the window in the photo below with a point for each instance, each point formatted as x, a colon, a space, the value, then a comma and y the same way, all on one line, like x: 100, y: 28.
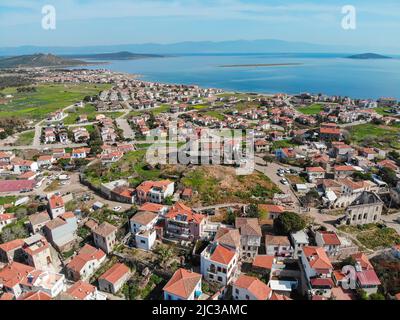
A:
x: 220, y: 279
x: 237, y: 291
x: 247, y: 297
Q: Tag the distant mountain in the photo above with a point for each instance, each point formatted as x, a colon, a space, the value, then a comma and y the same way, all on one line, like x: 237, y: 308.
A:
x: 199, y: 47
x: 123, y: 55
x: 368, y: 56
x: 38, y: 60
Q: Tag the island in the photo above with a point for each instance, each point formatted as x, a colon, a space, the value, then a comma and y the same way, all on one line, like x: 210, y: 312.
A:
x: 123, y: 55
x: 39, y: 60
x: 368, y: 56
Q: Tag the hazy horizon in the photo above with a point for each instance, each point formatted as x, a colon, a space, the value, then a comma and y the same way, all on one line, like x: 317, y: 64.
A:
x: 83, y: 23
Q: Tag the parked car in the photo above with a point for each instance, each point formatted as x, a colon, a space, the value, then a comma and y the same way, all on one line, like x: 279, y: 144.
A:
x: 285, y: 182
x: 117, y: 209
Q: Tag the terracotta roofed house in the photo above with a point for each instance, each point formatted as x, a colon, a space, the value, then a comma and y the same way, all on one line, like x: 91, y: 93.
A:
x: 85, y: 263
x: 183, y: 285
x: 328, y: 240
x: 83, y: 291
x: 183, y: 223
x: 114, y: 278
x: 250, y: 288
x: 219, y: 263
x: 56, y: 206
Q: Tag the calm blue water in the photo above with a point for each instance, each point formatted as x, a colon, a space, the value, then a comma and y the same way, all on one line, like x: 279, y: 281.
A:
x: 319, y: 73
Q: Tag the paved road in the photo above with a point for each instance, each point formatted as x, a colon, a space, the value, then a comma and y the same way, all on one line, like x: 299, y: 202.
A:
x: 391, y: 221
x: 270, y: 170
x: 124, y: 125
x: 44, y: 146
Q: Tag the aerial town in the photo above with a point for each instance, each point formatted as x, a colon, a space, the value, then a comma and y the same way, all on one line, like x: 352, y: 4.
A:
x: 84, y: 215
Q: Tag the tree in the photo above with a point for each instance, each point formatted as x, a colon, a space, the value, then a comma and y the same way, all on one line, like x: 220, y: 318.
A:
x: 252, y: 211
x: 389, y: 176
x: 376, y: 296
x: 169, y: 201
x: 230, y: 217
x: 289, y: 222
x: 311, y: 197
x: 165, y: 254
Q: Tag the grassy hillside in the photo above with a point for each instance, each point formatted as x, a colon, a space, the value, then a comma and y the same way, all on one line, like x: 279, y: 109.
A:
x: 47, y: 98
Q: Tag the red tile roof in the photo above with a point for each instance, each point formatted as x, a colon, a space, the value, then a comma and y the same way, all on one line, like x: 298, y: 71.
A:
x: 56, y: 202
x: 16, y: 185
x: 253, y: 285
x: 14, y: 274
x: 315, y: 169
x: 182, y: 283
x: 115, y: 273
x: 263, y: 261
x: 317, y: 258
x: 279, y: 297
x: 363, y: 260
x: 222, y: 255
x: 272, y: 208
x: 39, y: 295
x: 152, y: 207
x: 86, y: 254
x: 368, y: 278
x: 12, y: 245
x: 180, y: 209
x: 80, y: 290
x: 330, y: 238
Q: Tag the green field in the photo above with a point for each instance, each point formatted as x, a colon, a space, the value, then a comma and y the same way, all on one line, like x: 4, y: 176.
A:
x: 282, y: 144
x: 215, y: 114
x: 376, y: 135
x: 312, y: 109
x: 25, y: 138
x: 373, y: 236
x: 48, y: 98
x: 7, y: 200
x: 161, y: 109
x: 383, y: 111
x: 131, y: 167
x: 90, y: 111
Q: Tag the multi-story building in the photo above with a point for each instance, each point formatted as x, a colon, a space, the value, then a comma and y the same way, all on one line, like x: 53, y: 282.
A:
x: 367, y: 208
x: 250, y: 236
x: 105, y: 237
x: 219, y: 264
x: 183, y: 223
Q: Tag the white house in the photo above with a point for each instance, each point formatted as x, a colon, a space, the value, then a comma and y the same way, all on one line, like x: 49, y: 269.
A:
x: 22, y: 166
x: 142, y: 226
x: 56, y: 206
x: 114, y: 278
x: 250, y: 288
x: 278, y: 246
x: 84, y: 291
x: 328, y: 240
x: 85, y: 263
x: 299, y: 241
x: 219, y: 264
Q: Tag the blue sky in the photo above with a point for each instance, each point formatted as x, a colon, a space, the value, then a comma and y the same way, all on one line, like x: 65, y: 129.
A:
x: 102, y: 22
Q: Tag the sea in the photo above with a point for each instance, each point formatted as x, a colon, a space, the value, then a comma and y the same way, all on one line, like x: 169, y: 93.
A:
x: 330, y: 74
